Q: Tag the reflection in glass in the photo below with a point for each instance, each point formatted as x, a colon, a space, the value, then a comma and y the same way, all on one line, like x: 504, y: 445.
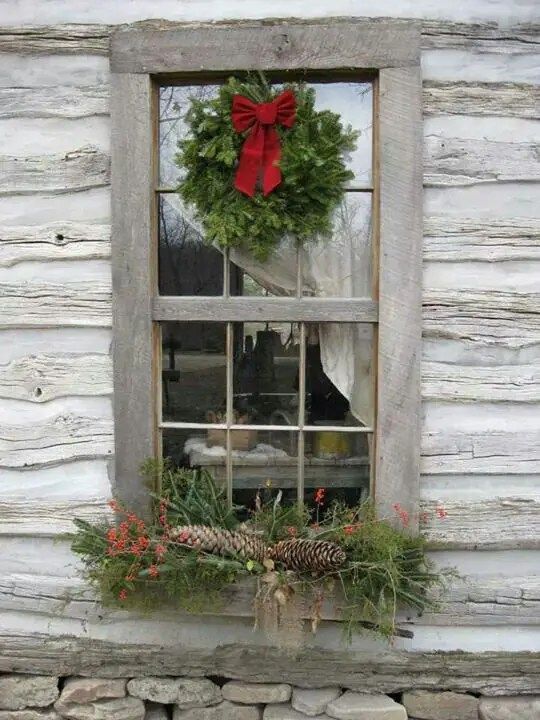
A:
x: 194, y: 371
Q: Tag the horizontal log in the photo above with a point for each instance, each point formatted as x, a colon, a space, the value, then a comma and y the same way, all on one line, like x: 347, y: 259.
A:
x: 455, y: 239
x: 481, y: 98
x: 464, y: 383
x: 490, y: 37
x: 61, y: 438
x: 462, y: 162
x: 388, y: 670
x: 54, y: 102
x: 71, y: 304
x: 55, y: 241
x: 81, y: 169
x: 486, y: 317
x: 488, y: 453
x: 48, y: 519
x: 89, y: 39
x: 500, y: 523
x: 39, y: 378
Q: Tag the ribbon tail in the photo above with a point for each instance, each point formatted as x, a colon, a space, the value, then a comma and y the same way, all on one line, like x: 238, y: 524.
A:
x: 251, y: 158
x: 272, y: 154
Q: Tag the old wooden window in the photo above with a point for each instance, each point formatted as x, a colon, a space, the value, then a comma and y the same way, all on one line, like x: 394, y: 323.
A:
x: 284, y: 372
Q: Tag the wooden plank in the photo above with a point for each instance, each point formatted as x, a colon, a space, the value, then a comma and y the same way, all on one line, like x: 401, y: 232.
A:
x: 81, y: 169
x: 79, y: 38
x: 54, y: 241
x: 134, y: 264
x: 490, y: 37
x: 499, y: 523
x: 29, y: 304
x: 388, y: 671
x: 316, y: 46
x: 267, y: 308
x: 40, y: 378
x: 50, y: 519
x: 487, y: 453
x: 457, y: 239
x: 481, y: 98
x: 493, y: 383
x: 400, y: 281
x: 61, y: 438
x: 54, y: 102
x: 463, y: 161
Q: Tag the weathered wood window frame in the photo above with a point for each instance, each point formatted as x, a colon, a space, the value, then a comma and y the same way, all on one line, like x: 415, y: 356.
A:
x: 141, y: 60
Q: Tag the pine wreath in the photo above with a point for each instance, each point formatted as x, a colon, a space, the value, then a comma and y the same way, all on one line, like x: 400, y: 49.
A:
x: 314, y: 174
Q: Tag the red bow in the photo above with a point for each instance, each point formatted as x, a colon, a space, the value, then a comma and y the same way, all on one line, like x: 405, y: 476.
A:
x: 261, y: 150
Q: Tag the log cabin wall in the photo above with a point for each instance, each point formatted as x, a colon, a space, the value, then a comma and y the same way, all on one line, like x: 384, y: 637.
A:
x: 481, y: 351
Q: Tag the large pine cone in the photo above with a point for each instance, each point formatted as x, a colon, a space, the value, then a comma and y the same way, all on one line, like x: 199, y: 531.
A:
x: 220, y: 542
x: 308, y: 555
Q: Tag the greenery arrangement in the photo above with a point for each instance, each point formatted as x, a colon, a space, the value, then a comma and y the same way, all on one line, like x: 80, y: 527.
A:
x: 196, y: 547
x: 313, y: 170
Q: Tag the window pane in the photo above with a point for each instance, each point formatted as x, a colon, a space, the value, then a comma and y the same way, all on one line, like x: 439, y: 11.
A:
x: 194, y: 371
x: 266, y: 373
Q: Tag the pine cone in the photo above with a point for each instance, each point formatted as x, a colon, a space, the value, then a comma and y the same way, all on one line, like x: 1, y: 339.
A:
x: 220, y: 542
x: 308, y: 555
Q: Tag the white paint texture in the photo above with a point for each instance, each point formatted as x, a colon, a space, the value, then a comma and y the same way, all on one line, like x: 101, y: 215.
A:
x: 481, y: 353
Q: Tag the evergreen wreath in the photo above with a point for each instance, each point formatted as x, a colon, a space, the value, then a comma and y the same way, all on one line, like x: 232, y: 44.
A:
x: 314, y: 174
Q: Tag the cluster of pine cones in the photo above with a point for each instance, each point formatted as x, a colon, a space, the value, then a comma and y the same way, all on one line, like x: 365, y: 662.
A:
x: 300, y: 555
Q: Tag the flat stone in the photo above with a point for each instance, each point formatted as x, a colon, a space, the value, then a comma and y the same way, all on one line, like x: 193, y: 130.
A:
x: 427, y: 705
x: 127, y: 708
x: 251, y: 693
x: 358, y: 706
x: 29, y: 714
x: 87, y: 690
x: 313, y: 702
x: 525, y: 707
x: 285, y: 711
x: 185, y: 692
x: 224, y: 711
x: 18, y: 692
x: 155, y: 712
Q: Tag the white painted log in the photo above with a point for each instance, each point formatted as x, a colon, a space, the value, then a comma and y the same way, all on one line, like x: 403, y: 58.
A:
x: 59, y: 439
x: 462, y: 162
x: 487, y: 317
x: 511, y: 383
x: 56, y: 102
x: 490, y: 453
x: 86, y: 304
x: 481, y: 98
x: 69, y: 481
x: 81, y: 169
x: 55, y: 241
x: 455, y: 239
x: 39, y: 378
x: 502, y: 523
x: 48, y: 519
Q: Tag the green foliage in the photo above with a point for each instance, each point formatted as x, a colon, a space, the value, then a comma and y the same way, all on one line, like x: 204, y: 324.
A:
x: 134, y: 565
x: 312, y: 165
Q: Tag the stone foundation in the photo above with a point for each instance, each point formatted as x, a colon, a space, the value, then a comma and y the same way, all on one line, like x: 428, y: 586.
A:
x: 35, y: 697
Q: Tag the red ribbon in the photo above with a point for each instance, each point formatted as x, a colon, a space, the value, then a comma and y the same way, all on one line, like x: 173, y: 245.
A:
x: 261, y: 151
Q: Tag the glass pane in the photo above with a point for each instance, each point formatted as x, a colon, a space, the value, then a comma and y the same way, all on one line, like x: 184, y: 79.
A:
x: 354, y: 103
x: 187, y: 265
x: 266, y: 373
x: 338, y: 463
x: 338, y: 374
x: 194, y: 371
x: 342, y: 265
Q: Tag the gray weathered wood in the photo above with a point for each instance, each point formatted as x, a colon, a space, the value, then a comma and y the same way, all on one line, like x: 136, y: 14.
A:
x: 462, y: 161
x: 356, y: 45
x: 481, y: 37
x: 48, y: 519
x: 494, y: 383
x: 39, y: 378
x: 29, y: 304
x: 81, y: 169
x: 487, y: 453
x: 489, y: 673
x: 61, y: 438
x: 458, y: 239
x: 51, y: 102
x: 501, y: 523
x: 400, y: 273
x: 271, y: 309
x: 134, y: 266
x: 83, y: 39
x: 469, y: 98
x: 55, y: 241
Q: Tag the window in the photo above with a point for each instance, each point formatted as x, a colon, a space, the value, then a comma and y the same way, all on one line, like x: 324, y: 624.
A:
x: 302, y: 371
